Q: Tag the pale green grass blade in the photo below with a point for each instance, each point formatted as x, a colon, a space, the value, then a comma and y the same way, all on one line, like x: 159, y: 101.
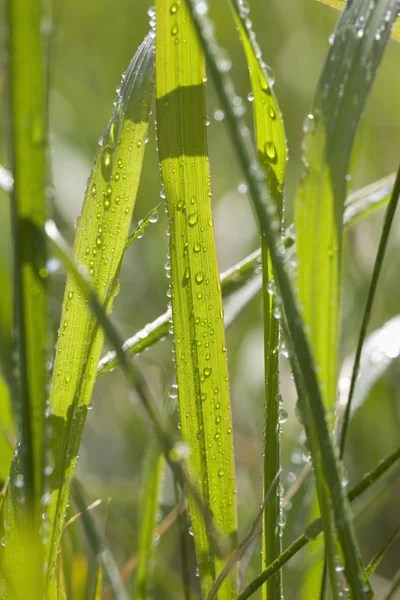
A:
x: 359, y: 205
x: 97, y: 594
x: 315, y: 528
x: 387, y: 225
x: 102, y: 554
x: 6, y: 431
x: 138, y: 232
x: 340, y: 5
x: 375, y: 562
x: 27, y: 137
x: 320, y: 439
x: 200, y: 352
x: 272, y: 153
x: 101, y: 235
x: 150, y: 495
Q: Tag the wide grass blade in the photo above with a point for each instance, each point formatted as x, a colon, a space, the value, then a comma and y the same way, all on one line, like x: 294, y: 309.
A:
x: 387, y: 225
x: 314, y: 529
x: 150, y: 495
x: 101, y: 235
x: 340, y: 4
x: 200, y: 351
x: 272, y: 153
x: 311, y: 402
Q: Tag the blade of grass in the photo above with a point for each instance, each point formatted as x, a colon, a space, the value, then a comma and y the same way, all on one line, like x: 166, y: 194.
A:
x: 380, y: 255
x: 394, y: 586
x: 340, y: 5
x: 359, y: 205
x: 315, y: 528
x: 102, y: 554
x: 6, y: 431
x: 322, y: 450
x: 272, y: 154
x: 149, y: 502
x: 375, y: 562
x: 99, y: 244
x: 200, y: 352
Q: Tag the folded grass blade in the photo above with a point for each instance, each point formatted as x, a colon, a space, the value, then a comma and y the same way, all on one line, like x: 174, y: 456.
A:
x: 200, y: 352
x: 320, y: 439
x: 101, y: 235
x: 272, y: 154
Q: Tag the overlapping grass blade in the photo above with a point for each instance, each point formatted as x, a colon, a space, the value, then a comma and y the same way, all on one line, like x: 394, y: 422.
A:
x: 101, y: 235
x: 149, y: 503
x: 272, y: 153
x: 315, y: 528
x: 319, y: 436
x: 340, y: 5
x: 359, y: 205
x: 200, y: 352
x: 387, y: 225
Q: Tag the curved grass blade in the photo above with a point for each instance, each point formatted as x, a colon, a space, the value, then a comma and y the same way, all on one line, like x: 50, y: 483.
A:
x: 102, y: 554
x: 99, y: 244
x: 359, y: 205
x: 272, y: 154
x: 340, y: 5
x: 150, y: 495
x: 314, y: 529
x: 321, y: 443
x: 388, y: 221
x: 200, y: 351
x: 152, y: 217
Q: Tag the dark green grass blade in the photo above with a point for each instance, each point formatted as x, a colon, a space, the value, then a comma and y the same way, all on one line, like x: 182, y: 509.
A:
x: 315, y: 528
x: 375, y: 562
x: 322, y: 449
x: 101, y: 235
x: 358, y: 206
x: 27, y: 137
x: 387, y: 225
x: 150, y: 495
x: 272, y: 153
x: 197, y: 315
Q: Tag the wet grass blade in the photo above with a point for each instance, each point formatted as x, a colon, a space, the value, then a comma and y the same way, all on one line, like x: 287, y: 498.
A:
x: 387, y: 225
x: 340, y: 5
x: 200, y: 352
x: 272, y: 153
x: 320, y: 438
x: 101, y: 235
x: 359, y: 205
x: 149, y: 503
x: 315, y: 528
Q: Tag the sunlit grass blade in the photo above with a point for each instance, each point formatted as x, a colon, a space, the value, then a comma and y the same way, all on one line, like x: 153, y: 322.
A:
x: 101, y: 553
x: 311, y: 402
x: 387, y: 225
x: 101, y: 235
x: 315, y: 528
x: 272, y: 153
x: 149, y: 503
x: 200, y: 352
x: 340, y: 5
x: 152, y: 217
x: 6, y: 431
x: 359, y: 205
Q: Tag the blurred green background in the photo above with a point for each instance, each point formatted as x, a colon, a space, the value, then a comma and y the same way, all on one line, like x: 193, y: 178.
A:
x: 92, y: 42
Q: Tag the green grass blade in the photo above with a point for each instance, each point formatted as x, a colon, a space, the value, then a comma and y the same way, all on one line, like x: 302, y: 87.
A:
x: 322, y: 449
x: 150, y: 494
x: 340, y: 4
x: 27, y: 137
x: 382, y: 344
x: 152, y: 217
x: 101, y: 235
x: 6, y: 431
x: 394, y: 586
x: 200, y: 352
x: 375, y: 562
x: 315, y: 528
x: 359, y: 205
x: 102, y: 554
x: 387, y: 225
x: 272, y: 153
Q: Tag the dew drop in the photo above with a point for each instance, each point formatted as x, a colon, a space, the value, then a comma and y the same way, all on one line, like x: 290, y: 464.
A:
x: 174, y: 30
x: 192, y: 219
x: 270, y: 150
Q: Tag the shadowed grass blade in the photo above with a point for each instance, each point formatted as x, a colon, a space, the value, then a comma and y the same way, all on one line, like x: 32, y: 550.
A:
x: 272, y: 153
x: 101, y: 235
x: 315, y: 528
x: 320, y: 439
x: 340, y: 5
x: 200, y: 352
x: 150, y: 494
